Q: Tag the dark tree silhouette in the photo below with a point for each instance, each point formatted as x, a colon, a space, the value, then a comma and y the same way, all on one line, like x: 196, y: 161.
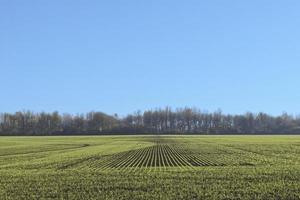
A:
x: 159, y: 121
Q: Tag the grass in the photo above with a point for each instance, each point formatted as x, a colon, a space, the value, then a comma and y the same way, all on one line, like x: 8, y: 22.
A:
x: 150, y: 167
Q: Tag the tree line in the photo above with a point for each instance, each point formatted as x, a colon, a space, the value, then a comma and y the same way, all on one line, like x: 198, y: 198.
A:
x: 157, y: 121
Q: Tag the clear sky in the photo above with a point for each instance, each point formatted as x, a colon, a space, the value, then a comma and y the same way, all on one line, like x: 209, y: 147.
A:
x: 119, y: 56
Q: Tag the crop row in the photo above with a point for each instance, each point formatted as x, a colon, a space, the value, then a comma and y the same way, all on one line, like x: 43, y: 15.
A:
x: 157, y: 156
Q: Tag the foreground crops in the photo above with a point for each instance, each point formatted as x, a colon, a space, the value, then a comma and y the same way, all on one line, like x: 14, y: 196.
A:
x: 150, y: 167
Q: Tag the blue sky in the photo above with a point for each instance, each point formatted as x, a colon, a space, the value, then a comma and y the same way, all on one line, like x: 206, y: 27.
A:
x: 120, y: 56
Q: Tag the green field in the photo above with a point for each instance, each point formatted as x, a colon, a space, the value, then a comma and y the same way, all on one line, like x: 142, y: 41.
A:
x: 150, y: 167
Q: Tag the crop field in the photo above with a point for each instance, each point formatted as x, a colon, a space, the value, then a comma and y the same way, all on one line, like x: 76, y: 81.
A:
x: 150, y: 167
